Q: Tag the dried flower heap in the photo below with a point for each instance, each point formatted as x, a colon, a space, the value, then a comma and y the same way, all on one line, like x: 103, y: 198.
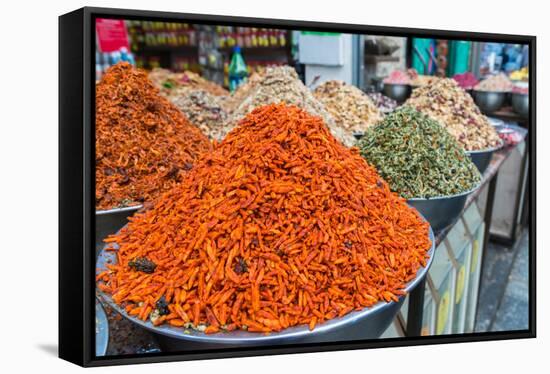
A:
x: 447, y: 103
x: 280, y: 225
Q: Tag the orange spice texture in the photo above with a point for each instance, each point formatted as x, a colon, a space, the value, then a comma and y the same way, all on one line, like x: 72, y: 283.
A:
x: 280, y: 225
x: 144, y: 144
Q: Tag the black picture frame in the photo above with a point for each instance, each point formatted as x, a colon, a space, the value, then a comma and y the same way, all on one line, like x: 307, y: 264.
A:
x: 76, y: 182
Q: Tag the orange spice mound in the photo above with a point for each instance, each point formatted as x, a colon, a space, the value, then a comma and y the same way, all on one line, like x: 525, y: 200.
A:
x: 144, y: 144
x: 280, y: 225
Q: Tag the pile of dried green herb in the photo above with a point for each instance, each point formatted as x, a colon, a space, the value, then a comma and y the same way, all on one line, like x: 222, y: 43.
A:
x: 418, y: 157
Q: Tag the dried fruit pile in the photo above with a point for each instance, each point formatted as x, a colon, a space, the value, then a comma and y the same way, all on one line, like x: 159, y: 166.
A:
x: 203, y: 109
x: 353, y: 111
x: 417, y: 156
x: 281, y: 84
x: 495, y: 83
x: 279, y: 226
x: 418, y: 80
x: 143, y: 142
x: 455, y: 109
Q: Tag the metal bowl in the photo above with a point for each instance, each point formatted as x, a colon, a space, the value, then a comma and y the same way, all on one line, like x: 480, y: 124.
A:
x: 441, y: 212
x: 398, y: 92
x: 101, y: 330
x: 368, y: 323
x: 483, y: 158
x: 520, y: 104
x: 110, y: 221
x: 489, y: 101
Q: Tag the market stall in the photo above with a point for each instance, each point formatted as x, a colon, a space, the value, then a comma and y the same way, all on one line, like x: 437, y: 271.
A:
x: 232, y: 201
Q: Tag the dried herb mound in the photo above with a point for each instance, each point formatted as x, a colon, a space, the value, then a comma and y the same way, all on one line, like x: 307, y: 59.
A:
x: 280, y: 84
x: 167, y: 81
x: 444, y: 101
x: 143, y: 142
x: 418, y: 157
x: 280, y: 225
x: 353, y: 111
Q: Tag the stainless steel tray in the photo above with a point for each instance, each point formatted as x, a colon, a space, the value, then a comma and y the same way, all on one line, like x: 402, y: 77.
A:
x: 368, y: 323
x: 108, y: 222
x: 482, y: 158
x: 443, y: 211
x: 101, y: 330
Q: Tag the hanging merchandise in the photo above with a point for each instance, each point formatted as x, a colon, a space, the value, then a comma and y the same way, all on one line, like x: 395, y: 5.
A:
x: 421, y: 60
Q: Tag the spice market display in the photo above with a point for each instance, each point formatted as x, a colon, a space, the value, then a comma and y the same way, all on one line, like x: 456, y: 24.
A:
x: 279, y: 226
x: 273, y: 192
x: 143, y: 143
x: 417, y: 157
x: 353, y: 111
x: 446, y: 102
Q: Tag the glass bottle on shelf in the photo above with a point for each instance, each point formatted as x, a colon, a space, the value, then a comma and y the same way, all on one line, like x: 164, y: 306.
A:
x: 238, y: 72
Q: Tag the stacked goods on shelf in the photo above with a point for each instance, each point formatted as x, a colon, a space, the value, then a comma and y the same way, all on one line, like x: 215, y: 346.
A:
x: 417, y: 156
x: 143, y: 143
x: 353, y: 111
x: 452, y: 107
x: 279, y: 226
x: 250, y: 37
x: 281, y: 84
x: 160, y: 34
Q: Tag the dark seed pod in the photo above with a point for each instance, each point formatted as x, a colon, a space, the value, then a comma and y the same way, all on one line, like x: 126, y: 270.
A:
x: 162, y: 306
x: 142, y: 264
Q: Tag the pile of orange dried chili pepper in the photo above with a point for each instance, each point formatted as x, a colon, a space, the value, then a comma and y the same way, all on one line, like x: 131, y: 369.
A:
x: 143, y: 142
x: 280, y: 225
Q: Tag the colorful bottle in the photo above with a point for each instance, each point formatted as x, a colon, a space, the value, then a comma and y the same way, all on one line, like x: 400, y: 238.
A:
x: 237, y: 70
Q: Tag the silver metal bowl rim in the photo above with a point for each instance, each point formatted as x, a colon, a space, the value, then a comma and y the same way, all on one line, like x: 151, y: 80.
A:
x: 118, y: 210
x: 486, y: 150
x: 103, y: 316
x: 491, y: 92
x: 413, y: 199
x: 301, y: 331
x: 397, y: 84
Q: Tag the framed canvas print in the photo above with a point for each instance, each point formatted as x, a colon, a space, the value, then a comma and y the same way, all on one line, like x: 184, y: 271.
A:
x: 236, y: 186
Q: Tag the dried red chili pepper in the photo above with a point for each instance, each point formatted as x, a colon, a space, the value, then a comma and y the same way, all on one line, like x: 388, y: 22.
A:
x: 142, y: 140
x: 263, y: 237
